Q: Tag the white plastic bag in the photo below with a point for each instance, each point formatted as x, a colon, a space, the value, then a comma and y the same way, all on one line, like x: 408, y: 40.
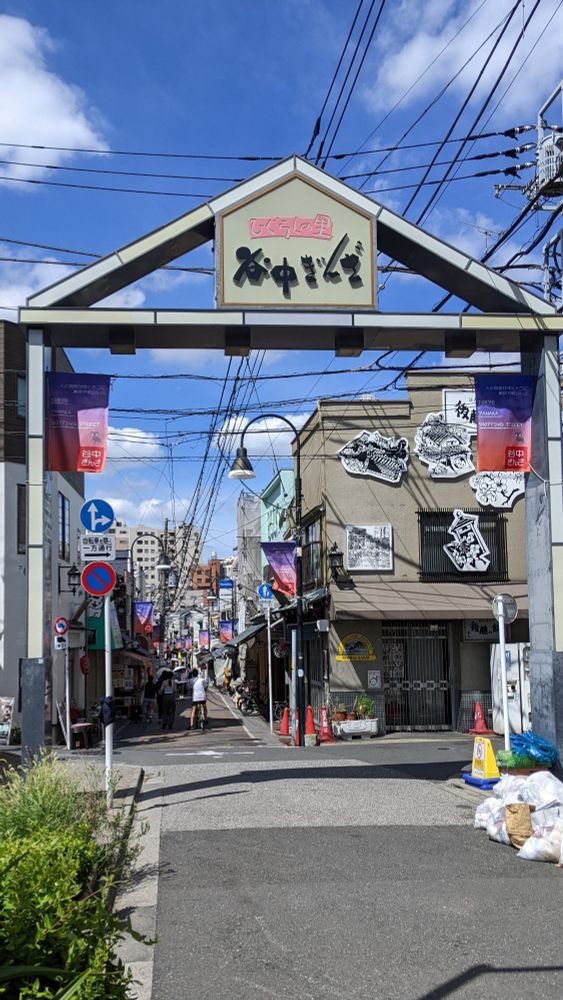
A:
x: 546, y: 817
x: 544, y: 844
x: 543, y: 789
x: 496, y: 826
x: 483, y: 811
x: 510, y: 788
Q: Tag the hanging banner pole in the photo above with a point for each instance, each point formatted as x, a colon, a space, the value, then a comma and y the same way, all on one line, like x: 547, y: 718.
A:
x: 108, y: 694
x: 270, y: 695
x: 293, y: 683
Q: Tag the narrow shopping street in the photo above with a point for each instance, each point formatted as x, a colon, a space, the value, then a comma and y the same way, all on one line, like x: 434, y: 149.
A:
x: 350, y: 870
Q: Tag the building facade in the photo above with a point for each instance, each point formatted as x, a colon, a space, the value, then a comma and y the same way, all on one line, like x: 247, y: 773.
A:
x: 420, y: 544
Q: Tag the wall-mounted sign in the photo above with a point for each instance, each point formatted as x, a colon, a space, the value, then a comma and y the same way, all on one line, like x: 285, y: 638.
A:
x: 498, y: 489
x: 480, y: 630
x: 504, y: 422
x: 355, y: 647
x: 468, y: 550
x: 374, y: 678
x: 97, y: 547
x: 372, y: 454
x: 369, y: 546
x: 458, y: 407
x: 296, y: 245
x: 445, y: 448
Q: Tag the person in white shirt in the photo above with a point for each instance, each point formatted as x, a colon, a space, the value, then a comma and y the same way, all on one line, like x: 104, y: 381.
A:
x: 198, y: 684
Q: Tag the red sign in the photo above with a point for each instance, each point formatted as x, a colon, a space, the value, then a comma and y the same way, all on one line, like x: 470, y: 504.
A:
x: 84, y: 665
x: 98, y: 578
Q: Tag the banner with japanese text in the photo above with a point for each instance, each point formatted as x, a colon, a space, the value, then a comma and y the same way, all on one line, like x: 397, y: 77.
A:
x: 504, y: 422
x: 143, y: 617
x: 188, y: 643
x: 225, y: 631
x: 76, y: 421
x: 281, y: 560
x: 204, y: 638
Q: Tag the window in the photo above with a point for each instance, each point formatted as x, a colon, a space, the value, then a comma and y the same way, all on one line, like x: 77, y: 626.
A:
x: 21, y: 518
x: 21, y: 388
x: 312, y: 555
x: 487, y: 550
x: 64, y: 528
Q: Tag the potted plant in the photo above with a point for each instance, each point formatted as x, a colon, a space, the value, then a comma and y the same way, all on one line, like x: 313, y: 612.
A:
x: 339, y: 713
x: 364, y: 706
x: 351, y: 715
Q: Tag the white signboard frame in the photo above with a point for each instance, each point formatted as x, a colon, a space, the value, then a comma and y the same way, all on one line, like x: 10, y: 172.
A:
x: 95, y: 547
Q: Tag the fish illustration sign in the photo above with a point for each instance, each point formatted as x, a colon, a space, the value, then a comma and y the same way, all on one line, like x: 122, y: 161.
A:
x: 372, y: 454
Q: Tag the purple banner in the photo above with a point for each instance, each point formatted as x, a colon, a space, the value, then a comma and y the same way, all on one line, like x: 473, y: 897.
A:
x: 188, y: 643
x: 76, y: 421
x: 143, y: 617
x: 225, y: 631
x: 281, y: 560
x: 504, y: 422
x: 204, y: 638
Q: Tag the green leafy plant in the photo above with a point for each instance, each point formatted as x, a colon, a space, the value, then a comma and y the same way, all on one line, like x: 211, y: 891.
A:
x: 62, y: 856
x: 364, y: 706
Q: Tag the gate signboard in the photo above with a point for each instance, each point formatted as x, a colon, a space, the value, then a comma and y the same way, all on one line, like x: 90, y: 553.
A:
x: 296, y: 246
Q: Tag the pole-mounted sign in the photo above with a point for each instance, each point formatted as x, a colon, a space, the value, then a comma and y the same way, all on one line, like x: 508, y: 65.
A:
x: 98, y: 578
x: 97, y: 516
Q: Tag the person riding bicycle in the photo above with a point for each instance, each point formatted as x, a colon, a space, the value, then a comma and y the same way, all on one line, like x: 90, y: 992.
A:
x: 198, y: 685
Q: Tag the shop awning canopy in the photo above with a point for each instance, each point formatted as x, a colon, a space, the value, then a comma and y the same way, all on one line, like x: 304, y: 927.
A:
x: 232, y: 645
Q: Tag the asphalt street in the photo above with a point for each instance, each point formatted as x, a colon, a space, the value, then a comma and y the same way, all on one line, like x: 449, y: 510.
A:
x: 344, y: 871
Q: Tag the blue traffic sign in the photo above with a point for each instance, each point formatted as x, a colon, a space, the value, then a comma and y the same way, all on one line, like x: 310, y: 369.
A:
x: 265, y: 591
x: 98, y: 578
x: 226, y: 584
x: 97, y: 516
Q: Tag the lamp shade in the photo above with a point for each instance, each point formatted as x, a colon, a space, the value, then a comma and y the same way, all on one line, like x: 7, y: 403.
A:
x: 241, y: 467
x: 73, y: 578
x: 335, y: 560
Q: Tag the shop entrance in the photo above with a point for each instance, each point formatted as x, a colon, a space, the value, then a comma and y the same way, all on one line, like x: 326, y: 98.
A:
x: 416, y: 676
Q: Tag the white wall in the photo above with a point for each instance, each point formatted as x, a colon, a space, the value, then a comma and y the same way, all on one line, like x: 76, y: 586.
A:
x: 12, y: 582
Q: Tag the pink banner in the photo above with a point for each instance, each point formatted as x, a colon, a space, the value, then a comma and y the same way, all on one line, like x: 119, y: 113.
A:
x: 143, y: 617
x: 204, y: 638
x: 76, y: 421
x: 281, y: 559
x: 504, y: 422
x: 225, y: 631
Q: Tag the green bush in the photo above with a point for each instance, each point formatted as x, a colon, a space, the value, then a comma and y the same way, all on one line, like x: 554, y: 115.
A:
x: 61, y: 854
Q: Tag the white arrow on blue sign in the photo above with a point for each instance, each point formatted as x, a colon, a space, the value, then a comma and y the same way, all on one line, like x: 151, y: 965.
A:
x: 265, y: 591
x: 97, y: 516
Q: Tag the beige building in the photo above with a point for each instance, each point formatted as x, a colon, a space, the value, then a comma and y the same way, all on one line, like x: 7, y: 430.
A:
x: 424, y: 544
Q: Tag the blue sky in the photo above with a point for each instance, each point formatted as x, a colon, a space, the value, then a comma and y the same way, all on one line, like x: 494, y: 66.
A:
x: 236, y: 78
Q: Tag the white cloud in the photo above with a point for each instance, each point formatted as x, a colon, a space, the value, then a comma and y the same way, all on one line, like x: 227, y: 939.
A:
x: 37, y: 105
x: 266, y: 437
x: 482, y: 360
x: 132, y: 442
x: 186, y: 359
x: 19, y: 280
x: 151, y: 512
x: 418, y: 30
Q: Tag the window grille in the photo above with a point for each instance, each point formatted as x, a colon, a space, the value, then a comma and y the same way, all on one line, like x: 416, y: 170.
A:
x: 435, y: 564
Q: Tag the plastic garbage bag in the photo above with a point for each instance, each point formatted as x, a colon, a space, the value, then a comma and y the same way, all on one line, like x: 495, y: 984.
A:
x: 531, y: 745
x: 510, y: 788
x: 483, y: 811
x: 543, y: 789
x: 496, y: 826
x: 544, y: 844
x: 546, y: 816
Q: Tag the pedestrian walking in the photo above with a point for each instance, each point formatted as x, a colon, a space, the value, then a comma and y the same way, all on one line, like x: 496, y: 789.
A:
x: 149, y: 698
x: 168, y: 702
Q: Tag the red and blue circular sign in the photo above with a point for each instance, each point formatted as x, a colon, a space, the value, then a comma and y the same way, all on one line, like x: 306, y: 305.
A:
x: 98, y: 578
x: 60, y: 626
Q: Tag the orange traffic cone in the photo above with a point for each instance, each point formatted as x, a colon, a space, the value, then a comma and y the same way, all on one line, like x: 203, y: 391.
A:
x: 479, y: 724
x: 284, y: 725
x: 310, y: 731
x: 326, y: 734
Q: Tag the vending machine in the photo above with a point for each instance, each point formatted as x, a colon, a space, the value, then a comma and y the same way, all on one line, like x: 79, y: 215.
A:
x: 518, y: 683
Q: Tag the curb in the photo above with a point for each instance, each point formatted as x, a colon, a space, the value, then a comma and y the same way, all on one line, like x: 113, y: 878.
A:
x: 127, y: 832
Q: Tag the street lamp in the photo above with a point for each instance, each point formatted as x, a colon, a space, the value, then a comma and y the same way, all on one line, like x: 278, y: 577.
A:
x: 242, y: 469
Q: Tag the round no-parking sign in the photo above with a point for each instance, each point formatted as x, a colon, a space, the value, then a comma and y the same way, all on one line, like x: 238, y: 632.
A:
x: 98, y: 578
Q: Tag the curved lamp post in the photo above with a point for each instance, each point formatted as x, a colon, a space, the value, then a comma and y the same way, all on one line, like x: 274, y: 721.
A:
x: 242, y: 469
x: 163, y: 567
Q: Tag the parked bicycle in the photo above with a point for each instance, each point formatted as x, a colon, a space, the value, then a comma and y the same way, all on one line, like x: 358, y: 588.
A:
x: 248, y: 703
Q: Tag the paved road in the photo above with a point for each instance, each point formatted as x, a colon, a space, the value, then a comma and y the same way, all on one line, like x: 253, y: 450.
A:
x: 347, y: 871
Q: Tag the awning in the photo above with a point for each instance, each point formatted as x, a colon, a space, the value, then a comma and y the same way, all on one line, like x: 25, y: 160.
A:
x: 373, y: 599
x: 147, y: 661
x: 232, y: 645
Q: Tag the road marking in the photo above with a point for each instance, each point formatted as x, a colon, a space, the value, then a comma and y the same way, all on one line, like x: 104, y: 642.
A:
x: 235, y: 716
x: 194, y: 753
